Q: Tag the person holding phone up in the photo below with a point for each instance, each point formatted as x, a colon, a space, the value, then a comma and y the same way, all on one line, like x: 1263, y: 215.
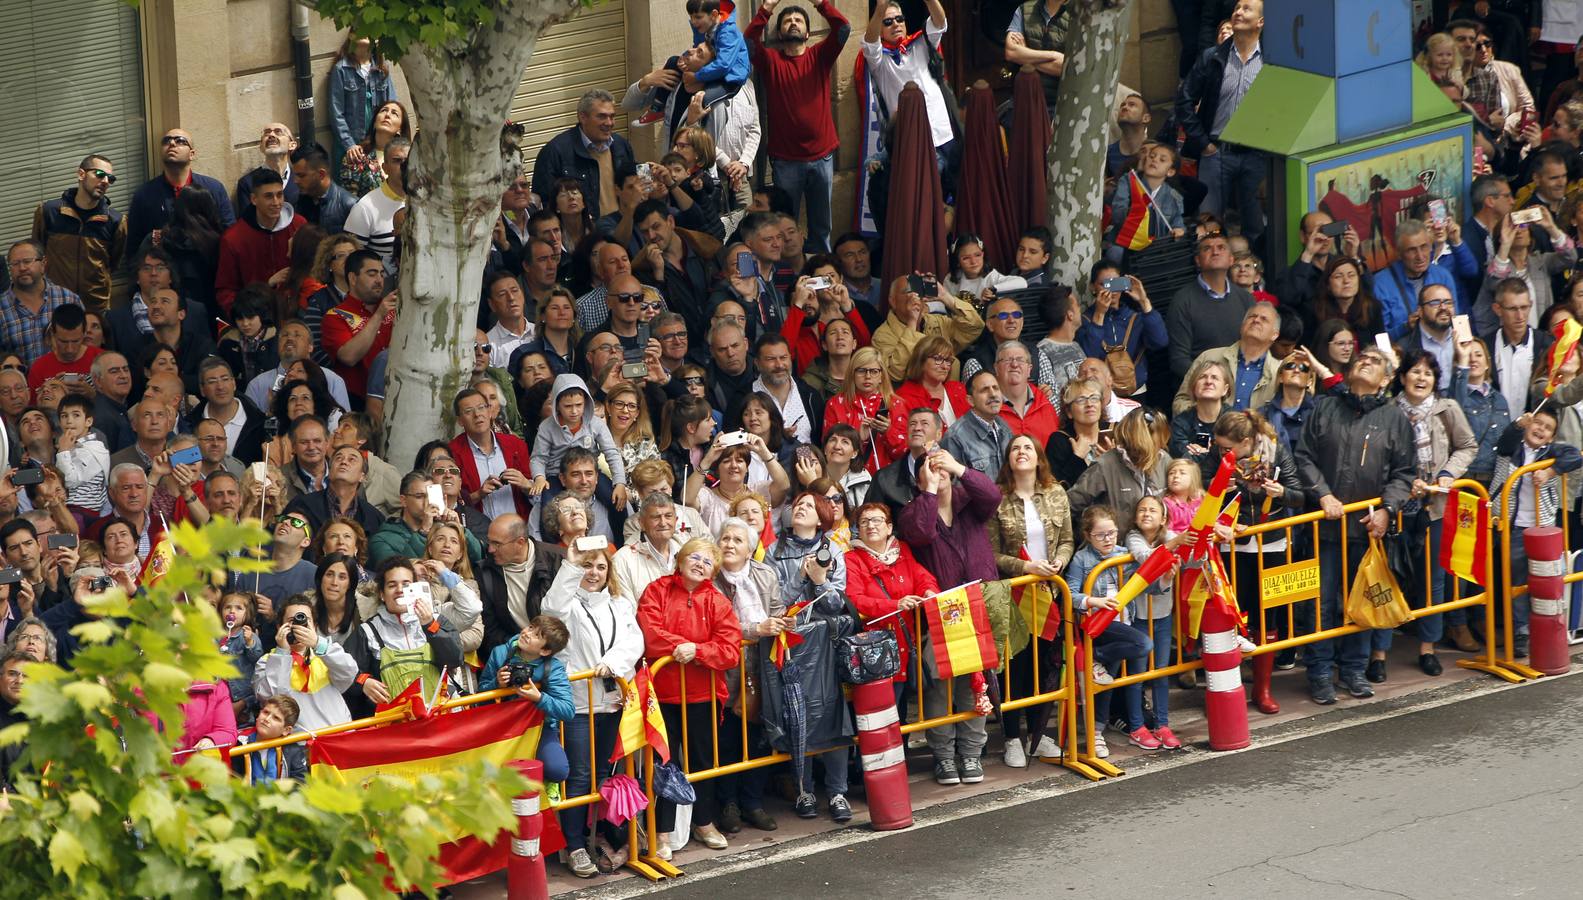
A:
x: 403, y: 642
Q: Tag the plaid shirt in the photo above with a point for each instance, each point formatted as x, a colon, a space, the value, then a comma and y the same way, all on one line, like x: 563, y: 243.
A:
x: 22, y: 332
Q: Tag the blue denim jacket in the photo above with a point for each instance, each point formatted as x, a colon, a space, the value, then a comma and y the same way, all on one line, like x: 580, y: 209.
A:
x: 1487, y: 415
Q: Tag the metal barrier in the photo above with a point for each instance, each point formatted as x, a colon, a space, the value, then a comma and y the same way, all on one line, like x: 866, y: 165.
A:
x: 1304, y: 571
x: 1064, y: 693
x: 402, y: 714
x: 1511, y: 591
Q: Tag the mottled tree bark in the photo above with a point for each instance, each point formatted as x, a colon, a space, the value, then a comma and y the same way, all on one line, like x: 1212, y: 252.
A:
x: 1076, y: 161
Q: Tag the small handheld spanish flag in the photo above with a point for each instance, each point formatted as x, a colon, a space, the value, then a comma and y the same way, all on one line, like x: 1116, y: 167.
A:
x: 960, y: 632
x: 1153, y: 568
x: 1037, y: 604
x: 1567, y: 333
x: 1464, y: 535
x: 786, y: 639
x: 1134, y: 233
x: 641, y: 722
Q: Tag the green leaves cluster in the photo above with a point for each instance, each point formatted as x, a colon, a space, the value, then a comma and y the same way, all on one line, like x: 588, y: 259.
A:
x: 112, y: 815
x: 397, y: 25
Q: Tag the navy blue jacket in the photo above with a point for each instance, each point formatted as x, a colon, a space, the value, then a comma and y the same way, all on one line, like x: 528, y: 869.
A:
x: 153, y: 202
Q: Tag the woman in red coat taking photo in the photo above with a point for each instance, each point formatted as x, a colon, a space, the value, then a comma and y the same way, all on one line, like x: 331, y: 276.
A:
x: 684, y: 616
x: 882, y: 576
x: 864, y: 403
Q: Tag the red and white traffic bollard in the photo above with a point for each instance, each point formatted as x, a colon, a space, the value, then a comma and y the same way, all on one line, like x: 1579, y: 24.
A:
x: 525, y: 878
x: 1225, y: 702
x: 884, y: 755
x: 1547, y: 595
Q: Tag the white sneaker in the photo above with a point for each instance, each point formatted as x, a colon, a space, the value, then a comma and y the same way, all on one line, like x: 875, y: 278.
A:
x: 1048, y: 748
x: 581, y: 865
x: 1101, y: 749
x: 1100, y: 674
x: 1246, y: 646
x: 1015, y: 757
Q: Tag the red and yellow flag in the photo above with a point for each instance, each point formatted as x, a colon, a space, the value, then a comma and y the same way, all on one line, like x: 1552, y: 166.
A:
x: 1134, y: 232
x: 1567, y: 333
x: 641, y: 722
x: 1212, y: 586
x: 786, y: 640
x: 959, y: 630
x: 497, y: 733
x: 1039, y: 609
x: 159, y: 559
x: 1464, y: 535
x: 1157, y: 565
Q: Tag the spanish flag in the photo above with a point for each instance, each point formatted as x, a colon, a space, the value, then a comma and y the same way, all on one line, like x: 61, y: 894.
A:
x: 1567, y: 332
x: 959, y: 630
x: 1212, y: 587
x: 1134, y: 233
x: 1039, y: 609
x: 787, y: 639
x: 1464, y: 535
x: 497, y: 733
x: 160, y: 556
x: 641, y: 721
x: 1157, y: 565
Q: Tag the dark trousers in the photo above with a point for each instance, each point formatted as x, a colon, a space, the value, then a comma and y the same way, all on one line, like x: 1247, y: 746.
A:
x: 700, y: 756
x: 745, y: 789
x: 586, y: 770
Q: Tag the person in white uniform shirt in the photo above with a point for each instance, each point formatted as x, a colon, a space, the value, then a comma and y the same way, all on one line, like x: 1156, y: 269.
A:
x: 894, y: 58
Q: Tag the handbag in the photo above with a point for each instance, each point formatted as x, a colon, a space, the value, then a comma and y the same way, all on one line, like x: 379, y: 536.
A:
x: 670, y: 783
x: 867, y: 656
x: 1376, y: 600
x: 1123, y: 371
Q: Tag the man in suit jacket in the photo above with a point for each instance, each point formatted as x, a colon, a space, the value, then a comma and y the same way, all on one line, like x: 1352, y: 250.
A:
x: 494, y: 466
x: 1517, y: 352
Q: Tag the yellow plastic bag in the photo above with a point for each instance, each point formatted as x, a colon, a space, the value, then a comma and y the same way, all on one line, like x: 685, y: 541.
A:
x: 1376, y: 601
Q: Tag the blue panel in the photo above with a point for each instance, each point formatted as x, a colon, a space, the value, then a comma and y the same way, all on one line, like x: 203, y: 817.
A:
x: 1374, y: 101
x: 1337, y: 37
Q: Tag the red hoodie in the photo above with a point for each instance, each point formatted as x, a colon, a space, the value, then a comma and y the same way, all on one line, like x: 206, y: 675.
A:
x: 671, y: 615
x: 249, y: 253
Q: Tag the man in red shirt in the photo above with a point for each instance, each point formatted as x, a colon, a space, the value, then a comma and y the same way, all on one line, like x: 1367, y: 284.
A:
x: 802, y: 133
x: 69, y: 357
x: 357, y: 330
x: 1026, y: 409
x: 259, y: 244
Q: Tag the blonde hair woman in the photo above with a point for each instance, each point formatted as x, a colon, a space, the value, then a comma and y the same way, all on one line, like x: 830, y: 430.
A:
x: 1133, y: 469
x: 865, y: 402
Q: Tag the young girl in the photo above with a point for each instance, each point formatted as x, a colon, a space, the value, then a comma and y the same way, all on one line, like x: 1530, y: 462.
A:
x: 1184, y: 491
x: 1149, y: 532
x: 240, y: 641
x: 1120, y: 642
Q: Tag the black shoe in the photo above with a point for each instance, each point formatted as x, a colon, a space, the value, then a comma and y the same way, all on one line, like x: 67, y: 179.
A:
x: 840, y: 810
x: 1357, y: 687
x: 1375, y: 671
x: 1520, y: 646
x: 1430, y: 663
x: 1323, y: 693
x: 759, y: 819
x: 730, y: 819
x: 1286, y: 659
x: 807, y: 806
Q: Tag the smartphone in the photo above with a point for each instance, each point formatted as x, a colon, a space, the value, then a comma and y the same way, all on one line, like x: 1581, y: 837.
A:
x: 820, y: 283
x: 60, y: 541
x: 1527, y: 216
x: 188, y: 456
x: 261, y: 472
x: 272, y: 426
x: 71, y: 377
x: 1529, y: 119
x: 733, y: 439
x: 436, y: 497
x: 1333, y: 229
x: 590, y: 542
x: 1461, y: 328
x: 1437, y: 212
x: 412, y: 593
x: 280, y: 382
x: 27, y: 476
x: 917, y: 285
x: 747, y: 266
x: 1120, y: 284
x: 1478, y: 158
x: 10, y: 575
x: 632, y: 364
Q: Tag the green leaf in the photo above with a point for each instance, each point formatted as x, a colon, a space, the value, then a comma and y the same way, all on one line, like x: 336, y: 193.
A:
x: 66, y: 854
x: 347, y: 892
x: 333, y: 798
x: 91, y: 696
x: 231, y: 857
x: 14, y: 734
x: 83, y: 805
x: 154, y: 807
x: 96, y: 632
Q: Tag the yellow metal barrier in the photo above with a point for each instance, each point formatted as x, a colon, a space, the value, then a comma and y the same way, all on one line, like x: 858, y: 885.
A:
x: 1512, y: 591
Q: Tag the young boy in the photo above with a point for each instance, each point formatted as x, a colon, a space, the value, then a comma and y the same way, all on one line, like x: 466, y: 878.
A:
x: 722, y: 76
x: 547, y: 686
x: 82, y: 458
x: 1528, y: 440
x: 571, y: 426
x: 1146, y: 183
x: 276, y: 719
x: 1034, y: 248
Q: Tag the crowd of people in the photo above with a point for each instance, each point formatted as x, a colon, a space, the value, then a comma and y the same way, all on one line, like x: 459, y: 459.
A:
x: 694, y: 421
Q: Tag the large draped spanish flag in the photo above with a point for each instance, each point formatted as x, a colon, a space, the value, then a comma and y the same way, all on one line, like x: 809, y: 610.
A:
x: 497, y: 733
x: 960, y: 632
x: 1464, y: 535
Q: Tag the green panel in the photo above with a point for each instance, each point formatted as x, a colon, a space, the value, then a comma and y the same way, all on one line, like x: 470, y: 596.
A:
x: 1286, y: 112
x: 1320, y: 154
x: 1296, y: 174
x: 1429, y: 102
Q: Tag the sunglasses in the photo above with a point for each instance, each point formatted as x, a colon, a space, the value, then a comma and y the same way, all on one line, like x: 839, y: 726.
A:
x: 630, y: 298
x: 892, y: 20
x: 294, y: 521
x: 102, y: 175
x: 483, y: 348
x: 693, y: 381
x: 1009, y: 314
x: 445, y: 471
x: 1484, y: 45
x: 176, y: 139
x: 1295, y: 367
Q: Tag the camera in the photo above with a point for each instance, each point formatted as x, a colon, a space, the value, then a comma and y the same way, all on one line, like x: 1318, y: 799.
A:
x: 521, y: 674
x: 822, y: 556
x: 100, y: 584
x: 301, y: 618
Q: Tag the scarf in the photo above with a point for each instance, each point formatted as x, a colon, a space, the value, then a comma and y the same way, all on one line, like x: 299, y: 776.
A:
x: 309, y: 674
x: 745, y: 596
x: 889, y: 555
x: 518, y: 576
x: 898, y: 49
x: 1419, y: 415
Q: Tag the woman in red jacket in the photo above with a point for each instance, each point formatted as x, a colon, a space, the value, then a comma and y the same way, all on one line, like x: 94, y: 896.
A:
x: 685, y: 617
x: 810, y: 310
x: 864, y: 403
x: 929, y: 382
x: 882, y: 577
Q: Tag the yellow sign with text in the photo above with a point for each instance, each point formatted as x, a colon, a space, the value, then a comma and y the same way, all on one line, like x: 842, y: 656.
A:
x: 1291, y: 583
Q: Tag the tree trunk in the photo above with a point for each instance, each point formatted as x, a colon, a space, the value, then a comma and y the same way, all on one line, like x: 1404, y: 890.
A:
x: 461, y: 161
x: 1076, y: 161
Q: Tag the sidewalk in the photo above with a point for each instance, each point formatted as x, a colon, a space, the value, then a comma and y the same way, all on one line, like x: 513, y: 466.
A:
x: 1186, y: 717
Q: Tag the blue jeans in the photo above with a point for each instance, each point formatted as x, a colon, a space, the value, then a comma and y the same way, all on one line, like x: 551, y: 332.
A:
x: 556, y: 766
x: 1122, y: 643
x: 834, y: 764
x: 1519, y: 569
x: 1353, y: 650
x: 1233, y: 176
x: 581, y: 779
x: 1432, y: 628
x: 1160, y: 688
x: 810, y: 180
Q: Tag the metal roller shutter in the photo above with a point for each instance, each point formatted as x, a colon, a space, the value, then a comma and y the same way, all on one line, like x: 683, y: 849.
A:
x: 73, y: 77
x: 588, y: 50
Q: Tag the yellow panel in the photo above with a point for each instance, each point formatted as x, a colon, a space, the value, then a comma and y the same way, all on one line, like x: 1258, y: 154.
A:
x: 587, y: 51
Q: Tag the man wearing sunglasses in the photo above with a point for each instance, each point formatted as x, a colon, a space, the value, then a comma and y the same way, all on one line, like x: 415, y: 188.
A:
x: 291, y: 574
x: 1003, y: 321
x: 83, y: 237
x: 154, y: 201
x: 894, y: 58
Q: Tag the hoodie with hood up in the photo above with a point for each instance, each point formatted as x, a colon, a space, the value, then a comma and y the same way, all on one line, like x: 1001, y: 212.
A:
x: 250, y: 253
x: 554, y: 436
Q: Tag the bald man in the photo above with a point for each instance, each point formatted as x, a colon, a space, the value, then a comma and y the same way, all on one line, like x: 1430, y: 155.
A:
x: 516, y: 573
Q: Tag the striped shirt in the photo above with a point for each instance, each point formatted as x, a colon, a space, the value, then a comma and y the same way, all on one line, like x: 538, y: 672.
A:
x: 22, y: 330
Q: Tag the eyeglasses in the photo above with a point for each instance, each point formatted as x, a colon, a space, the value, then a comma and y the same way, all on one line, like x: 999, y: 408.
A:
x: 102, y: 175
x: 1086, y: 398
x: 624, y: 405
x: 605, y: 348
x: 445, y: 470
x: 891, y: 20
x: 734, y: 319
x: 946, y: 360
x: 32, y: 260
x: 483, y: 348
x: 629, y: 298
x: 869, y: 370
x: 1437, y: 302
x: 1013, y: 363
x: 1012, y: 314
x: 672, y: 336
x: 176, y: 139
x: 871, y: 521
x: 1104, y: 535
x: 293, y: 520
x: 700, y: 558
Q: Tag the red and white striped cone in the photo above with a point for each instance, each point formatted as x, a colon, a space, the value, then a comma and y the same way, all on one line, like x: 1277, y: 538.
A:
x: 1225, y: 702
x: 884, y: 755
x: 525, y: 878
x: 1549, y: 603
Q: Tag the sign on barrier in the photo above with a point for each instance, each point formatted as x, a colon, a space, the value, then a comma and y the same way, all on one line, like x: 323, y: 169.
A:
x: 1288, y: 584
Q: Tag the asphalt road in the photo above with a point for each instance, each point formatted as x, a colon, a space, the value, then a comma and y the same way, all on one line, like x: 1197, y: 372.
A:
x: 1476, y: 799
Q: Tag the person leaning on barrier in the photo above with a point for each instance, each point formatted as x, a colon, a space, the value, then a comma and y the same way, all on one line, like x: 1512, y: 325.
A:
x: 1356, y: 445
x: 685, y: 617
